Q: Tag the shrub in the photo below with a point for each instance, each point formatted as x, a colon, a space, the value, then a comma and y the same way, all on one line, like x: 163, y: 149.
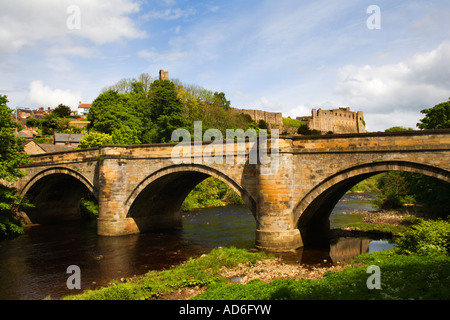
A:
x: 429, y: 237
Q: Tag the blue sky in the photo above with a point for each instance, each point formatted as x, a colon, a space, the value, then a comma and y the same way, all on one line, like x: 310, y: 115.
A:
x: 287, y: 56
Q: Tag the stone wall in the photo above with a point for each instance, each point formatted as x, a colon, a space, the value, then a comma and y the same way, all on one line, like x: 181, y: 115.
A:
x: 340, y: 120
x: 273, y: 119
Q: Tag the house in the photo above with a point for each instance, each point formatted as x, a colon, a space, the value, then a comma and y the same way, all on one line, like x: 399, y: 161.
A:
x: 26, y: 133
x: 83, y: 108
x: 68, y: 139
x: 31, y: 147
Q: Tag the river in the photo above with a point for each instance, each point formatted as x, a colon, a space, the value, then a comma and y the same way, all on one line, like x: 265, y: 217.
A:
x: 34, y: 265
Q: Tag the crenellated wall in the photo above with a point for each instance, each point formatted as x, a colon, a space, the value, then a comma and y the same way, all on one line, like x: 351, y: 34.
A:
x: 340, y: 120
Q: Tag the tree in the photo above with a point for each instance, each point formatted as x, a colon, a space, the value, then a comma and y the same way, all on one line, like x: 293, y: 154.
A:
x: 396, y: 129
x: 167, y: 110
x: 12, y: 157
x: 220, y: 100
x: 11, y: 150
x: 125, y: 135
x: 110, y: 111
x: 94, y: 139
x: 437, y: 117
x: 62, y: 111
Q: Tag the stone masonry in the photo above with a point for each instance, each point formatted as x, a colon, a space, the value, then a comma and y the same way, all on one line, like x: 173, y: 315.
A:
x: 340, y: 120
x: 273, y: 119
x: 140, y: 188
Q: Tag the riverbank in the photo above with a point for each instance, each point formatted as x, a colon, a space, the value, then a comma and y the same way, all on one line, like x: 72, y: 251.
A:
x: 235, y: 274
x: 264, y: 277
x: 380, y: 223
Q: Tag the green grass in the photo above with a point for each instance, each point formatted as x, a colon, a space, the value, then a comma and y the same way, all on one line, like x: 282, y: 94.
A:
x: 379, y: 228
x: 368, y: 185
x: 202, y: 271
x: 401, y: 276
x: 288, y: 122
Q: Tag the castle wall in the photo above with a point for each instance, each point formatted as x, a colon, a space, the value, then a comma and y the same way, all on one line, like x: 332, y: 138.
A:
x: 273, y: 119
x: 340, y: 120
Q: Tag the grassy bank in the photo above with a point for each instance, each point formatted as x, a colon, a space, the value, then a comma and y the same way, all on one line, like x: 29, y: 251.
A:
x: 195, y: 273
x: 418, y: 268
x: 384, y: 223
x: 401, y: 277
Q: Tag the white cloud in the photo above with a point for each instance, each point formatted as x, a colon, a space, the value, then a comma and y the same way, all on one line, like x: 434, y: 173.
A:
x: 410, y: 85
x: 158, y: 57
x: 24, y: 22
x: 383, y: 121
x: 170, y: 14
x: 80, y: 51
x: 44, y: 96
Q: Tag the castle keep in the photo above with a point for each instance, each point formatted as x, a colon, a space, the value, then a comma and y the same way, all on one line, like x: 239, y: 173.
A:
x: 340, y: 120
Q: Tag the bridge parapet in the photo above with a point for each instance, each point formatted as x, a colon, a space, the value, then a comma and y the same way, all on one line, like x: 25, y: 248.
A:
x: 372, y: 142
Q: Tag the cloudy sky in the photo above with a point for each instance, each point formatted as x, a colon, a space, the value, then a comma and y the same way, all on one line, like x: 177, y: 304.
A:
x: 287, y: 56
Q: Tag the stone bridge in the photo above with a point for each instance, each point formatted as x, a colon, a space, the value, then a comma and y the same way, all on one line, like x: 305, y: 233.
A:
x: 140, y: 188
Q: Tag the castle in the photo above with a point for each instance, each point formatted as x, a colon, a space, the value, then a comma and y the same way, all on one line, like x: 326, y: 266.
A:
x: 340, y: 120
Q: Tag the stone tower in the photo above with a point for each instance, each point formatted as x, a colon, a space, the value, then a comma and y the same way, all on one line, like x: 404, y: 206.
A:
x: 163, y: 75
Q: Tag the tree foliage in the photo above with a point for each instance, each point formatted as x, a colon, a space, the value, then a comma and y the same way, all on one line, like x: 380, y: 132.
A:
x: 400, y: 188
x: 144, y: 110
x: 437, y: 117
x: 11, y: 149
x: 94, y: 139
x: 11, y: 158
x: 62, y: 111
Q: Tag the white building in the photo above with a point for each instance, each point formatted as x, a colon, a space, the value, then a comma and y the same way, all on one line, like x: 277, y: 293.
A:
x: 83, y: 109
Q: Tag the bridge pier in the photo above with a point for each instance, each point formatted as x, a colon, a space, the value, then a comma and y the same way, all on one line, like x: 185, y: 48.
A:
x: 275, y: 229
x: 278, y: 241
x: 112, y: 220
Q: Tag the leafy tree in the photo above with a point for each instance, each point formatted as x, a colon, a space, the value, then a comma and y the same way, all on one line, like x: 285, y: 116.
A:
x: 11, y: 150
x: 33, y: 122
x: 167, y: 109
x: 62, y: 111
x: 110, y: 111
x: 94, y: 139
x: 437, y: 117
x: 305, y: 130
x: 125, y: 135
x: 396, y: 129
x: 398, y: 188
x: 220, y: 100
x: 11, y: 158
x: 395, y: 190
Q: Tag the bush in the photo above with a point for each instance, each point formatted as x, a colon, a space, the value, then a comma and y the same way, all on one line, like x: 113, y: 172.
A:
x: 429, y: 237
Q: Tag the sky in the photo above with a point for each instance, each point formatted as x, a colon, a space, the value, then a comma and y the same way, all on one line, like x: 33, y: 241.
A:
x: 390, y: 61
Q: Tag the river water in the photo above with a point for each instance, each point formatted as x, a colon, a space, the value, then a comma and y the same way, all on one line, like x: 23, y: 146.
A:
x: 34, y: 265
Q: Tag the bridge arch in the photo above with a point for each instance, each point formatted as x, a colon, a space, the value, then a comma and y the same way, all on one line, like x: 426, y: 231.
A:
x: 55, y: 194
x: 313, y: 210
x: 156, y: 202
x: 59, y: 170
